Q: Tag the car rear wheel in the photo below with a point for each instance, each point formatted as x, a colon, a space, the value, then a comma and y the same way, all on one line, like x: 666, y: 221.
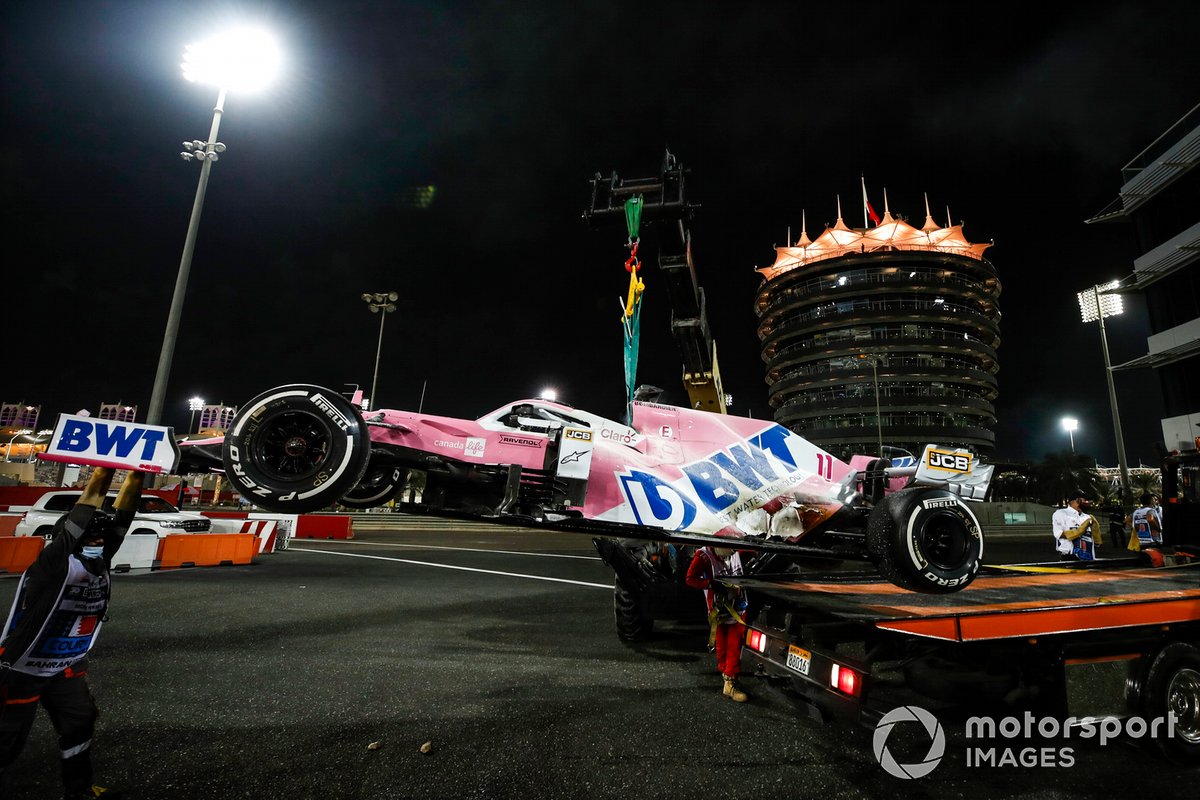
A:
x: 926, y: 540
x: 296, y: 449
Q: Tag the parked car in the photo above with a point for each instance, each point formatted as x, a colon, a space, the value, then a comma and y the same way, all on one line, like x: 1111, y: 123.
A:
x: 154, y: 515
x: 673, y: 474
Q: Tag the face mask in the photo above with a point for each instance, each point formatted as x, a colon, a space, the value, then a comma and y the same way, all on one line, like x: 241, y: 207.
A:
x: 93, y: 551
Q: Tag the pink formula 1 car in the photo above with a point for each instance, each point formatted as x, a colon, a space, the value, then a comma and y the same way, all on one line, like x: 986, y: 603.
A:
x: 675, y: 475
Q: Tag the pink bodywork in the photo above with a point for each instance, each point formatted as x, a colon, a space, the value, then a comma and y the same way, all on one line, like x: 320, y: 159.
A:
x: 675, y: 468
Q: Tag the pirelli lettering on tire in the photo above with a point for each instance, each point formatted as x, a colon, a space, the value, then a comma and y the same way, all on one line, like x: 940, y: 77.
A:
x: 331, y: 412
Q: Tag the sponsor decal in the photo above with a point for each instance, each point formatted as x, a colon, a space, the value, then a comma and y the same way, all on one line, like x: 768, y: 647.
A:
x: 621, y: 437
x: 573, y: 458
x: 726, y: 483
x: 666, y: 432
x: 943, y: 502
x: 578, y: 434
x: 475, y: 446
x: 338, y: 419
x: 951, y: 462
x: 520, y: 441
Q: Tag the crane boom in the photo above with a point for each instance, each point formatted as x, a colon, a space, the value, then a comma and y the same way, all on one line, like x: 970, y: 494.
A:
x: 665, y: 203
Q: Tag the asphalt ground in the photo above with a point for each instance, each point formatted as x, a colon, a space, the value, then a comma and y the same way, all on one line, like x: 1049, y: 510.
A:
x: 321, y: 671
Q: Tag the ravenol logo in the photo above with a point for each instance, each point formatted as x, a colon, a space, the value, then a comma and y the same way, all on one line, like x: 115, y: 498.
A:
x: 937, y: 742
x: 715, y: 483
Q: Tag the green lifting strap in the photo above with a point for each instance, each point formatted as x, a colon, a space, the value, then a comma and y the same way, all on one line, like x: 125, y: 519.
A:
x: 633, y: 216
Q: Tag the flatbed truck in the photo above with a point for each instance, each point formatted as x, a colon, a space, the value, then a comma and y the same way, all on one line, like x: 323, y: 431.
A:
x: 1019, y: 639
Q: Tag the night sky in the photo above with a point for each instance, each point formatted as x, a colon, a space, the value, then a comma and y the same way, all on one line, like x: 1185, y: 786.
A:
x: 1020, y: 124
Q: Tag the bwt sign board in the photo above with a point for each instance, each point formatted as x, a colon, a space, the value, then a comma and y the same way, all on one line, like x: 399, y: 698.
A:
x: 108, y: 443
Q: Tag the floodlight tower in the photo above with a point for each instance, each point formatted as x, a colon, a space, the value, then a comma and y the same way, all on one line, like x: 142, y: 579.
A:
x: 1070, y: 425
x: 240, y: 59
x: 1094, y: 305
x: 379, y: 302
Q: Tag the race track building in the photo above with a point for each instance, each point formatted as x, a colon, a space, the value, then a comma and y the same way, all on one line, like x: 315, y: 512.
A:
x: 886, y: 332
x: 1158, y: 197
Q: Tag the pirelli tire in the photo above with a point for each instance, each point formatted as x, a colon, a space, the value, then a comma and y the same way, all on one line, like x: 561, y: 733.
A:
x: 296, y: 449
x: 926, y: 540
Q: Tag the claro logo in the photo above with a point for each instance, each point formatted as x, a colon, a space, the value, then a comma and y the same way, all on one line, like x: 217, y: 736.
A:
x: 954, y: 462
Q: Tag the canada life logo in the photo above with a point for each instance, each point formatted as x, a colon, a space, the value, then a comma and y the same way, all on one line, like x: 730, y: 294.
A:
x: 714, y: 483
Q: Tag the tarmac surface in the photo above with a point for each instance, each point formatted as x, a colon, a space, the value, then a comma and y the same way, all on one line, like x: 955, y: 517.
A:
x: 321, y: 671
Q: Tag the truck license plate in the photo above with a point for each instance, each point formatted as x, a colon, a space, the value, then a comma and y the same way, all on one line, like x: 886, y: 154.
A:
x: 798, y: 659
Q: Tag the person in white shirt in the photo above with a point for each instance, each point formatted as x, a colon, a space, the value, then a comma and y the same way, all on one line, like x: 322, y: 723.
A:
x: 1076, y: 533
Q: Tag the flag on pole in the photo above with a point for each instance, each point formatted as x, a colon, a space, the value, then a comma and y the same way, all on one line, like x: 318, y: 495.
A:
x: 868, y: 211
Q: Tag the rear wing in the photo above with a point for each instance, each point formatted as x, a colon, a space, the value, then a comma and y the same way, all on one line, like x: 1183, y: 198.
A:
x: 956, y: 470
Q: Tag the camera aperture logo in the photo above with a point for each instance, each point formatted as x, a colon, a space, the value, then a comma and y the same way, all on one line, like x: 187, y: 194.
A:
x: 1025, y: 741
x: 937, y: 743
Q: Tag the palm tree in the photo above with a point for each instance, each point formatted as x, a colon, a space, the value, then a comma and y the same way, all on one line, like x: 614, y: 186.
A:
x: 1059, y: 474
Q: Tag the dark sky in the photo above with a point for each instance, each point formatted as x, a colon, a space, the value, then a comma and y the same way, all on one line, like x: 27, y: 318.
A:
x: 1020, y: 124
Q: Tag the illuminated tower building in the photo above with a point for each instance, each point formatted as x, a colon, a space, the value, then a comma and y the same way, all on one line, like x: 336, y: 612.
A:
x: 882, y: 333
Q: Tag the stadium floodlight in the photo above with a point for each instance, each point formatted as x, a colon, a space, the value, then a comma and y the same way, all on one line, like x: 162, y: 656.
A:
x: 1095, y: 304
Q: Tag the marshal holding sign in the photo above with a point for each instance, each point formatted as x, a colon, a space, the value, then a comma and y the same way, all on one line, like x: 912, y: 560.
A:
x: 109, y: 443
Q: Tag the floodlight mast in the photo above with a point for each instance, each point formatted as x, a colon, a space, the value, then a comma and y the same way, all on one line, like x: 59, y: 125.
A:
x: 242, y: 59
x: 1094, y: 305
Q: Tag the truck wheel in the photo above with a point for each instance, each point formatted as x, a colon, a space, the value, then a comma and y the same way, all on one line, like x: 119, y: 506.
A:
x: 378, y: 485
x: 44, y: 532
x: 296, y: 448
x: 632, y: 625
x: 1173, y: 686
x: 926, y: 540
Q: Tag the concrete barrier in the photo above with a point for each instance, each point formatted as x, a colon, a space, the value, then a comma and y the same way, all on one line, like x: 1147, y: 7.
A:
x: 207, y: 550
x: 324, y: 526
x: 18, y: 552
x: 137, y: 552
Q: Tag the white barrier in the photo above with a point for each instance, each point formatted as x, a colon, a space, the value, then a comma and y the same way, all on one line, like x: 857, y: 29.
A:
x: 138, y: 551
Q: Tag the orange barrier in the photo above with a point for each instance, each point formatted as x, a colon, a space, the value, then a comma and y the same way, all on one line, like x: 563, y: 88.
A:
x: 324, y: 526
x: 8, y: 524
x: 206, y: 549
x: 18, y: 552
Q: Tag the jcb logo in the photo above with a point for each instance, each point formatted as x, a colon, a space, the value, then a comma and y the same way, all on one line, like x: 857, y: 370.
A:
x: 955, y: 462
x: 578, y: 435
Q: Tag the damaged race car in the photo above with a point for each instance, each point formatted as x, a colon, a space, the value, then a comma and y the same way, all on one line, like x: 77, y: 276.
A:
x: 675, y: 475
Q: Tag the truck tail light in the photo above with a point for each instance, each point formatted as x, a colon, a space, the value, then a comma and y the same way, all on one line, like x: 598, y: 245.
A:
x: 756, y: 640
x: 845, y: 680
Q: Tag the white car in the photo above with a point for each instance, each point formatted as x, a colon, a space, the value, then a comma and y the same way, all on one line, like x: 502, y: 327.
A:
x: 154, y: 515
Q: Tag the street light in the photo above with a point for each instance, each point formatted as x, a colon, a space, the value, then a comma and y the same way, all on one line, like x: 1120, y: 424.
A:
x: 1094, y: 306
x: 194, y: 405
x: 385, y: 302
x: 1070, y: 426
x: 548, y: 394
x: 8, y: 452
x: 241, y: 59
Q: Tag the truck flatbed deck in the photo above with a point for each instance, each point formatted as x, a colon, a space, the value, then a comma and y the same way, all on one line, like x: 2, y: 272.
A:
x: 1004, y: 602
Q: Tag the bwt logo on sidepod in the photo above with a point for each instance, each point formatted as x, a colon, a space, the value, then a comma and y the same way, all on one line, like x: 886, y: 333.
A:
x: 714, y: 483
